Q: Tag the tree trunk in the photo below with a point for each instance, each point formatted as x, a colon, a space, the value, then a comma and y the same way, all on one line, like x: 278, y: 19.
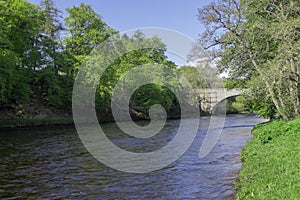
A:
x: 271, y: 92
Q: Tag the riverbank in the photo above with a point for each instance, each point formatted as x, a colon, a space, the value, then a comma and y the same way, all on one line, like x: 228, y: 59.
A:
x: 17, y: 122
x: 39, y: 113
x: 64, y: 119
x: 271, y: 162
x: 30, y: 122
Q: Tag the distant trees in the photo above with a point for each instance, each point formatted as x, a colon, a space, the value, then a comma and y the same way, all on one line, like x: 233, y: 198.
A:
x: 257, y: 44
x: 202, y: 76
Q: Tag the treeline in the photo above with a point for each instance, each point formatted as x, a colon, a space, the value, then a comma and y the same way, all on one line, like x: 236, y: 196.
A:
x: 257, y: 43
x: 41, y: 53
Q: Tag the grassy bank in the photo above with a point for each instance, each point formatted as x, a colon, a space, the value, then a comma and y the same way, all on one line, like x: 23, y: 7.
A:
x: 271, y: 162
x: 26, y: 122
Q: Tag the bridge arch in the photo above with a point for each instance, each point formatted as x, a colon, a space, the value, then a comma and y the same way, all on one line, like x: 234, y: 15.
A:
x: 221, y: 107
x: 210, y: 98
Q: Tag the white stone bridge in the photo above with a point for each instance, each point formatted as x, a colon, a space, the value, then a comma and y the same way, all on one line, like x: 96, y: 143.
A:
x: 209, y: 98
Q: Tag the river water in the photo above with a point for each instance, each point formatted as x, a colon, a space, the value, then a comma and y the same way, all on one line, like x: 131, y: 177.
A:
x: 52, y: 163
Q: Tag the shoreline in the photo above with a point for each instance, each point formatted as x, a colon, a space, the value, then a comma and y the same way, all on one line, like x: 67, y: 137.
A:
x: 60, y: 120
x: 34, y: 122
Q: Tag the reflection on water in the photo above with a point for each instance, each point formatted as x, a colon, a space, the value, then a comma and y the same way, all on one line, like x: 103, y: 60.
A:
x: 51, y: 162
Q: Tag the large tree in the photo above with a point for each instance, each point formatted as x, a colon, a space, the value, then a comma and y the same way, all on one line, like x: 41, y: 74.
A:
x: 124, y: 53
x: 86, y: 30
x: 50, y: 35
x: 258, y: 41
x: 51, y: 80
x: 19, y: 21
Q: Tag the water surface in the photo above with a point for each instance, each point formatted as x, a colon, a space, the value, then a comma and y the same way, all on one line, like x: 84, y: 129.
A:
x: 52, y: 163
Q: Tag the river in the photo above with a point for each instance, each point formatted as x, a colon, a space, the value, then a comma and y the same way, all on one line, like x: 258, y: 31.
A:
x: 52, y: 163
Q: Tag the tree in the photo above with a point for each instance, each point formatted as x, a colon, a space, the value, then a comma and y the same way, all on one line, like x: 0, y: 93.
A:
x: 257, y: 40
x: 50, y: 35
x: 50, y: 71
x: 133, y: 52
x: 36, y: 62
x: 86, y: 30
x: 19, y: 21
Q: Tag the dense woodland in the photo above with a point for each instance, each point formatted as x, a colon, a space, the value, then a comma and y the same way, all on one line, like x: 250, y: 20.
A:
x: 41, y: 53
x: 255, y: 42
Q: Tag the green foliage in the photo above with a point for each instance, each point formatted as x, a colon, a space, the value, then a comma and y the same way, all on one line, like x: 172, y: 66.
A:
x: 257, y: 42
x: 19, y: 25
x: 151, y: 94
x: 232, y: 83
x: 232, y: 105
x: 36, y: 61
x: 240, y: 104
x: 269, y: 131
x: 194, y: 77
x: 134, y: 52
x: 265, y: 132
x: 259, y: 99
x: 55, y: 89
x: 271, y: 162
x: 86, y: 30
x: 202, y: 76
x: 49, y: 38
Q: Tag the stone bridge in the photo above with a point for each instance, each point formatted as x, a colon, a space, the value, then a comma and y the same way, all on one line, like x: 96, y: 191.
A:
x: 209, y: 98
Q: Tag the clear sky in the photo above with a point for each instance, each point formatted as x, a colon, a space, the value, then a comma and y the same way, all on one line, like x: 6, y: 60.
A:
x: 123, y: 15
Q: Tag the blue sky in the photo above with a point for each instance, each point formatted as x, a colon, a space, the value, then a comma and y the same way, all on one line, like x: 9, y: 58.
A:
x: 123, y: 15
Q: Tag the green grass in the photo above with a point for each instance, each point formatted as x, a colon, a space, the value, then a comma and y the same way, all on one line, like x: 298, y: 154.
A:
x: 23, y: 122
x: 271, y: 162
